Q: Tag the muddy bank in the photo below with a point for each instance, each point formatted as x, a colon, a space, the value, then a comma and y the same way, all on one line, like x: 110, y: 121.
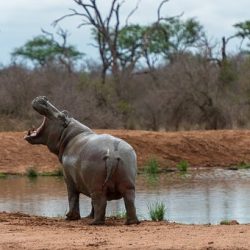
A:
x: 200, y: 148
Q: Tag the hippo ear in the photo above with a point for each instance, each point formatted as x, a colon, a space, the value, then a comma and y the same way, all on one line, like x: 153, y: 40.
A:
x: 66, y: 113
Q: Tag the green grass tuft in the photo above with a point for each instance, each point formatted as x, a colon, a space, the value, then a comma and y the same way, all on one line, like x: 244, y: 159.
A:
x: 157, y: 211
x: 182, y: 166
x: 31, y: 172
x: 2, y: 175
x: 152, y: 167
x: 244, y: 165
x: 121, y: 215
x: 229, y: 222
x: 58, y: 172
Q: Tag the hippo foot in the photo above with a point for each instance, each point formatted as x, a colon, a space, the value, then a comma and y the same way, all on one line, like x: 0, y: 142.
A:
x: 73, y: 216
x: 131, y: 222
x: 97, y: 223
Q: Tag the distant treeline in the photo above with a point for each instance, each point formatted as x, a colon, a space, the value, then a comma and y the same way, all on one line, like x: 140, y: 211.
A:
x: 167, y: 75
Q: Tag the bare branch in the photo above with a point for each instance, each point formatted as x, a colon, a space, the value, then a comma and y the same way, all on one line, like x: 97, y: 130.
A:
x: 48, y: 34
x: 74, y: 13
x: 64, y: 34
x: 111, y: 12
x: 86, y: 7
x: 132, y: 12
x: 159, y: 9
x: 100, y: 23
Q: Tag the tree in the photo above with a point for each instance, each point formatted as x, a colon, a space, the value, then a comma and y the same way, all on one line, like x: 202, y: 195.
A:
x: 159, y: 42
x: 105, y: 30
x: 243, y: 31
x: 44, y: 49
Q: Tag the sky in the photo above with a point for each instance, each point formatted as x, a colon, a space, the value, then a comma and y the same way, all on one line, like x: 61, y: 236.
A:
x: 21, y: 20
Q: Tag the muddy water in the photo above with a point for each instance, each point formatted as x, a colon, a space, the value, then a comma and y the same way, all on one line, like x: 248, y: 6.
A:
x: 198, y: 197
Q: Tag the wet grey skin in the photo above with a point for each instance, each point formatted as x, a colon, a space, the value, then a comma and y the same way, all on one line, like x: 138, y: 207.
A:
x: 101, y: 167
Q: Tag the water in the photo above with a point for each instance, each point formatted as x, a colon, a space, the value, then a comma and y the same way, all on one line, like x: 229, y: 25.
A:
x: 198, y: 197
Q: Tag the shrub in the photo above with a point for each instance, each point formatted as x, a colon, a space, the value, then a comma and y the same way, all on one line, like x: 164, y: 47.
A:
x: 121, y: 215
x: 157, y: 211
x: 2, y: 175
x: 31, y: 172
x: 152, y: 166
x: 182, y: 166
x: 229, y: 222
x: 244, y: 165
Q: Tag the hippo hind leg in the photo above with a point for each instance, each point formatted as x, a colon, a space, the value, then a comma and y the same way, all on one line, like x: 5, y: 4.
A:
x: 129, y: 200
x: 99, y: 203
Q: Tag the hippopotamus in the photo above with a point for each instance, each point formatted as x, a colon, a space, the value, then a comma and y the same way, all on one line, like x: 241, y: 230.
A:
x: 100, y: 166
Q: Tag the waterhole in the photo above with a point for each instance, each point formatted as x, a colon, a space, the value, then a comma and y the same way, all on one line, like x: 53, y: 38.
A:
x: 195, y: 197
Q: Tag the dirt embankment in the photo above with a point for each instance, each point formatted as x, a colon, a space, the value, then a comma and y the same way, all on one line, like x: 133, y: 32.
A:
x: 199, y: 148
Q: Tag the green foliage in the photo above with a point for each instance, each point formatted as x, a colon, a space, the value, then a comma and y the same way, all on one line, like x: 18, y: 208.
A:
x: 243, y: 29
x: 31, y: 172
x: 173, y: 35
x: 58, y: 172
x: 169, y: 36
x: 152, y: 167
x: 157, y: 211
x: 130, y: 40
x: 182, y: 166
x: 2, y: 175
x: 121, y: 215
x: 229, y: 222
x: 39, y: 49
x: 244, y: 165
x: 225, y: 222
x: 42, y: 50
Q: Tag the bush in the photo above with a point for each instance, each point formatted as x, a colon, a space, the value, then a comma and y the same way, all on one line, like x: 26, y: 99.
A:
x: 182, y: 166
x: 31, y: 173
x: 157, y: 211
x: 121, y: 215
x: 152, y: 167
x: 244, y: 165
x: 2, y: 175
x: 229, y: 222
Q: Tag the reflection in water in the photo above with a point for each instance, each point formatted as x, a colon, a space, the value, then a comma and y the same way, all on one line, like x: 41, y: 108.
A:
x: 197, y: 197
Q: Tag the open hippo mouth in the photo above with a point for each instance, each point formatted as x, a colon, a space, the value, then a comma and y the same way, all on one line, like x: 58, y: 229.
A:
x: 51, y: 117
x: 35, y: 132
x: 41, y: 105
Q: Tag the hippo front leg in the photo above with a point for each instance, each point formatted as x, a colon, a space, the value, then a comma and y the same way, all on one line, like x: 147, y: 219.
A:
x: 91, y: 214
x: 73, y: 198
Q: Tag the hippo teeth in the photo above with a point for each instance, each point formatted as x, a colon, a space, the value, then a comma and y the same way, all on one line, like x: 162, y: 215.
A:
x: 32, y: 132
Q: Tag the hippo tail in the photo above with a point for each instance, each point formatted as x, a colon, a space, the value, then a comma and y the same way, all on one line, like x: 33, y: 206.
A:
x: 111, y: 164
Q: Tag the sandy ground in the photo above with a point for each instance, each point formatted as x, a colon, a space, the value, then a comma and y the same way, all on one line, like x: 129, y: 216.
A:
x: 18, y: 231
x: 200, y: 149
